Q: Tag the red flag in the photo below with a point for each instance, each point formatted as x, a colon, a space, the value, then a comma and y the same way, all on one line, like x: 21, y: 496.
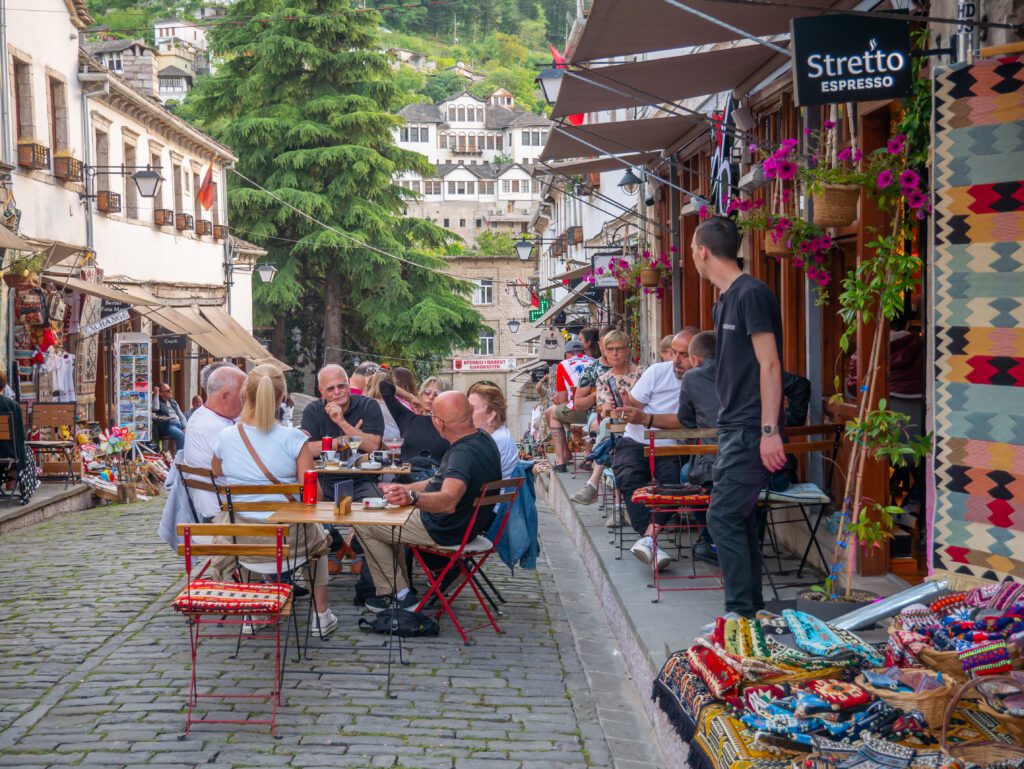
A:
x: 206, y: 189
x: 559, y: 59
x: 535, y: 300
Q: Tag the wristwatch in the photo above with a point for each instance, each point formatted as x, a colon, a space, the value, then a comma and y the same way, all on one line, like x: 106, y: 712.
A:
x: 414, y: 497
x: 769, y: 430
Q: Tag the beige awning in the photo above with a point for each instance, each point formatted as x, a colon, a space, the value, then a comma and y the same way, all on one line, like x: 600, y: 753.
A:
x: 659, y: 81
x: 627, y: 136
x: 102, y: 291
x: 10, y: 240
x: 573, y: 274
x: 525, y: 337
x: 211, y: 338
x: 251, y: 347
x: 600, y: 165
x: 626, y: 27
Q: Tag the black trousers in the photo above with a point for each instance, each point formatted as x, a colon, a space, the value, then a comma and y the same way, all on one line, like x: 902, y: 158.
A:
x: 633, y: 470
x: 732, y: 518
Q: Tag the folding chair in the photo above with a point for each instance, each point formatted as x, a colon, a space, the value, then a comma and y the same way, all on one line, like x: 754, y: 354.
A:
x: 191, y: 480
x: 207, y: 602
x: 684, y: 506
x: 478, y: 548
x: 827, y: 440
x: 53, y: 416
x: 237, y: 507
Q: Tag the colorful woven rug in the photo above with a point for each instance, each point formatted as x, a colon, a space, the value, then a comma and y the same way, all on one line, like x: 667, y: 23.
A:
x: 977, y: 292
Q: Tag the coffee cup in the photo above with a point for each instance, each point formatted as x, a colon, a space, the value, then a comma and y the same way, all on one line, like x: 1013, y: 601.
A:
x: 331, y: 457
x: 375, y: 503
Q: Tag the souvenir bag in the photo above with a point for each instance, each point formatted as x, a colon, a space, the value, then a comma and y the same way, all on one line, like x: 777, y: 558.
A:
x: 56, y: 306
x: 31, y: 307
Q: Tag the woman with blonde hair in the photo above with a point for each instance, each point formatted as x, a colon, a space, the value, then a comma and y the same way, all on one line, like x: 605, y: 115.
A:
x: 489, y: 413
x: 260, y: 451
x: 373, y: 390
x: 430, y: 389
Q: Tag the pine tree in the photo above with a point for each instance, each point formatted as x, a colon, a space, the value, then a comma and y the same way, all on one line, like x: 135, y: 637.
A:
x: 306, y: 100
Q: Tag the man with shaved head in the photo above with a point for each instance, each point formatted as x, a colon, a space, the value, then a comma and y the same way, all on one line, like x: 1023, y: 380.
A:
x: 445, y: 502
x: 340, y: 414
x: 223, y: 405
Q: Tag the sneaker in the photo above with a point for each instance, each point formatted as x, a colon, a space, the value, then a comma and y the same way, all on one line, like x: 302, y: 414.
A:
x: 585, y: 496
x: 612, y: 520
x: 381, y: 603
x: 327, y: 622
x: 643, y: 549
x: 705, y: 551
x: 563, y: 468
x: 663, y: 560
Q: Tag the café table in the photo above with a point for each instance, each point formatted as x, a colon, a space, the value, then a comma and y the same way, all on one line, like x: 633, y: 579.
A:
x: 322, y: 513
x: 338, y: 470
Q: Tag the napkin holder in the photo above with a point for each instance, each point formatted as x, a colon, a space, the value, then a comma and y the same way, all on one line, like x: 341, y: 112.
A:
x: 343, y: 506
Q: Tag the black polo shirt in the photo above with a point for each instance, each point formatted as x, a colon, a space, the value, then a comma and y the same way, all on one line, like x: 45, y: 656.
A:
x: 316, y: 422
x: 474, y: 460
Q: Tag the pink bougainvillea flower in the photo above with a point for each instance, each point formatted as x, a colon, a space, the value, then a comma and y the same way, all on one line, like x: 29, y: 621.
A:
x: 909, y: 179
x: 769, y: 168
x: 896, y: 145
x: 807, y: 132
x: 805, y: 247
x: 812, y: 273
x: 733, y: 206
x: 599, y: 270
x: 824, y: 279
x: 921, y: 214
x: 753, y: 147
x: 916, y: 198
x: 818, y: 258
x: 787, y: 195
x: 845, y: 154
x: 787, y: 169
x: 703, y: 213
x: 857, y: 156
x: 673, y: 249
x: 759, y: 203
x: 745, y: 205
x: 829, y: 125
x: 884, y: 179
x: 783, y: 224
x: 798, y: 261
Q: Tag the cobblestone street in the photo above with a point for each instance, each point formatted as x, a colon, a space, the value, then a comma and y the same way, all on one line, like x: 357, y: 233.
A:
x: 95, y: 664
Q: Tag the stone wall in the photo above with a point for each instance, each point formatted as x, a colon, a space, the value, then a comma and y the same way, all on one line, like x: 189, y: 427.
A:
x: 140, y: 70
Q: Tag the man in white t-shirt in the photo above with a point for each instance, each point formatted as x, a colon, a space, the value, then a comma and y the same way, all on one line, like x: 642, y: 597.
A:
x: 651, y: 404
x: 567, y: 377
x: 222, y: 407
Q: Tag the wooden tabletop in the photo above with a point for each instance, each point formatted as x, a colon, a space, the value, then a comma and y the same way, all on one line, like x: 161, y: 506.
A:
x: 617, y: 429
x: 357, y: 470
x: 323, y: 512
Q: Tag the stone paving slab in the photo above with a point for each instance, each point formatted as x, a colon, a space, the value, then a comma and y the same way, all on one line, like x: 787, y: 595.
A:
x: 94, y: 669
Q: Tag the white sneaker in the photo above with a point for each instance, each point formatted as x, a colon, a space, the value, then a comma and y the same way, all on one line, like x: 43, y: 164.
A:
x: 327, y: 623
x: 585, y: 496
x: 643, y: 549
x: 663, y: 560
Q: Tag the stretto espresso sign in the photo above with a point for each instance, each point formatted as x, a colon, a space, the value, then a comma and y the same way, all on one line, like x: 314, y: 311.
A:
x: 840, y: 58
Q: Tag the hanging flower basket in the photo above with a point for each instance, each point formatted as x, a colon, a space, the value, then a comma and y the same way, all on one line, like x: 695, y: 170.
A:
x: 650, y: 278
x: 779, y: 248
x: 835, y: 205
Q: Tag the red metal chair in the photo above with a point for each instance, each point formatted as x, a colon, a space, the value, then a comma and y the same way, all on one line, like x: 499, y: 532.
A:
x: 207, y: 602
x: 478, y: 549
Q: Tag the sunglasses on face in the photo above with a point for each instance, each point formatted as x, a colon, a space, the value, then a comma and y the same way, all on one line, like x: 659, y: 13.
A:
x: 431, y: 393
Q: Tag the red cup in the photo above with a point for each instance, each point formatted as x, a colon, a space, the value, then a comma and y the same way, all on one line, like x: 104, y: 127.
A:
x: 327, y: 444
x: 309, y: 487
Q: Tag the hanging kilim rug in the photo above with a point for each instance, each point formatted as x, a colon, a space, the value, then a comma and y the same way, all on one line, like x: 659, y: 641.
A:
x: 977, y: 292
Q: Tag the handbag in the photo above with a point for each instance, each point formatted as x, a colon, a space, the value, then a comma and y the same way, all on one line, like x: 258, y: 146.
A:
x: 31, y: 307
x: 56, y: 306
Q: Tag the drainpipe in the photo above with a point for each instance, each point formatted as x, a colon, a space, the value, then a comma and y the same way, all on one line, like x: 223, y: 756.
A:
x: 5, y: 100
x: 229, y: 256
x: 89, y: 77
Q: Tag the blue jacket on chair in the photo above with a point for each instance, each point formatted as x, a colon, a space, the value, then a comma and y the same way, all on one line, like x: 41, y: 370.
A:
x: 519, y: 545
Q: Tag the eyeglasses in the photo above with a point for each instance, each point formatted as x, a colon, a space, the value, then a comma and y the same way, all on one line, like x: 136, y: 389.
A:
x: 616, y: 349
x: 336, y: 387
x: 432, y: 393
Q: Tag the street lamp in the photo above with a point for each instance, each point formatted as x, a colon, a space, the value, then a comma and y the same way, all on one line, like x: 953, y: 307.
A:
x: 523, y: 249
x: 550, y: 82
x: 266, y: 272
x: 148, y: 182
x: 629, y: 182
x: 513, y: 326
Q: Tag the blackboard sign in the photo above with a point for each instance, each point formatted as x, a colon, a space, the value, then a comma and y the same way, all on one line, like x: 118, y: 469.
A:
x: 839, y: 58
x: 171, y: 342
x: 112, y: 307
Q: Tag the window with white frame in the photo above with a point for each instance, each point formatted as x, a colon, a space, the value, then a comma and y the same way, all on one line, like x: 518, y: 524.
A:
x: 485, y: 344
x: 484, y: 292
x: 486, y: 188
x: 432, y: 187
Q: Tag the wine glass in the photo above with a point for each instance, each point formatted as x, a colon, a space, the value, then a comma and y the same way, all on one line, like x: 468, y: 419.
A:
x: 353, y: 442
x: 394, y: 446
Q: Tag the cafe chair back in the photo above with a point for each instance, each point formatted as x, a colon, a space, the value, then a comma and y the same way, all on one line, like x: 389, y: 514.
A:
x: 209, y: 605
x: 466, y: 559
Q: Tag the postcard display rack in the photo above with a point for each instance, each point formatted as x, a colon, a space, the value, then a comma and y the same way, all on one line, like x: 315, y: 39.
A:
x: 134, y: 383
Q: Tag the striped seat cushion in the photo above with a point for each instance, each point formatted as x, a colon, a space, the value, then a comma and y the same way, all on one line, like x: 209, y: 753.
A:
x: 656, y: 496
x: 213, y: 597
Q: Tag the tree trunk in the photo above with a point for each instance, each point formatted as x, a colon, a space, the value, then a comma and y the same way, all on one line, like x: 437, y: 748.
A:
x: 278, y: 339
x: 333, y: 288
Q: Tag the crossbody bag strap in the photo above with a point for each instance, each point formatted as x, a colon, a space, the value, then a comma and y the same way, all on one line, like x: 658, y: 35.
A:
x: 258, y: 461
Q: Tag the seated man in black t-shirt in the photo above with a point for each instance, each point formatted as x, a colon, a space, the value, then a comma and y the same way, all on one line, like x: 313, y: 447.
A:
x: 339, y: 414
x: 445, y: 502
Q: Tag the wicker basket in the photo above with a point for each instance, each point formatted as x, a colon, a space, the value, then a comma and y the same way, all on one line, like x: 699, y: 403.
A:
x: 835, y: 205
x: 992, y: 705
x: 979, y: 753
x: 932, y: 703
x: 947, y: 663
x: 649, y: 278
x: 776, y: 248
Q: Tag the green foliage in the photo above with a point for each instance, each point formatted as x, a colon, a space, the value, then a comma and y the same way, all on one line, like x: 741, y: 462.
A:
x: 441, y: 86
x: 305, y: 100
x: 495, y: 244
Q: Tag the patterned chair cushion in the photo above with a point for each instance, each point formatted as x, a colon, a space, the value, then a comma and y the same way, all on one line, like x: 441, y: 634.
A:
x: 212, y: 597
x: 661, y: 496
